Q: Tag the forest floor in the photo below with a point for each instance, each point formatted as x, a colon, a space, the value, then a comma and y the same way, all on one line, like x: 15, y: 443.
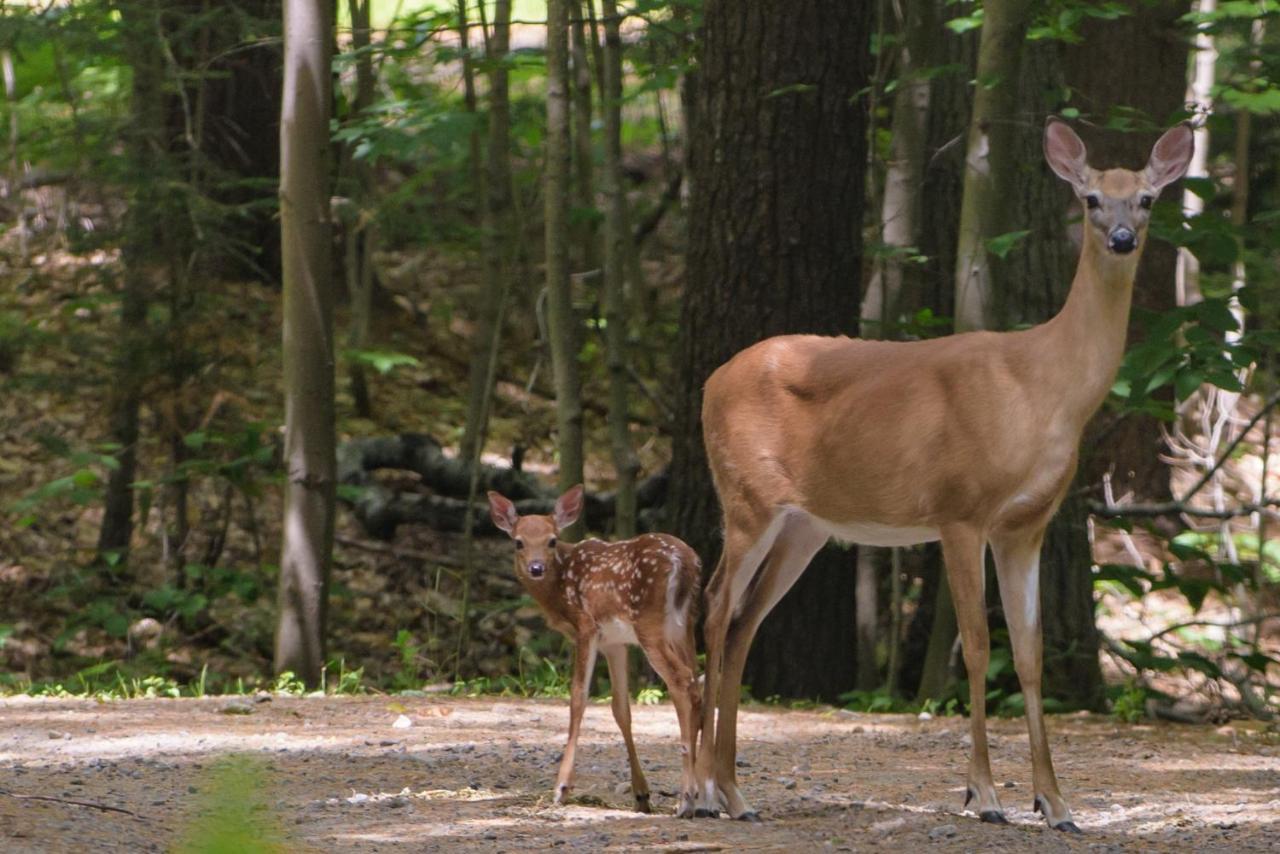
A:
x: 335, y: 773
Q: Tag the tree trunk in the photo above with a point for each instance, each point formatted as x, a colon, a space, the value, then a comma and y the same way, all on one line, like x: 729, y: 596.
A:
x: 616, y: 249
x: 584, y: 197
x: 885, y: 300
x: 777, y: 171
x: 989, y: 164
x: 145, y: 135
x: 361, y: 229
x: 305, y: 232
x: 561, y: 319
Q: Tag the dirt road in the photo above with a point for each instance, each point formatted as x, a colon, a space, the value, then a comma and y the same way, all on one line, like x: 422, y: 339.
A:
x: 336, y: 774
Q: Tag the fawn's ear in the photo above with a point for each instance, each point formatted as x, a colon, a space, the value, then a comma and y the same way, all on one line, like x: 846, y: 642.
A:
x: 502, y: 512
x: 1171, y: 155
x: 1065, y: 152
x: 568, y: 507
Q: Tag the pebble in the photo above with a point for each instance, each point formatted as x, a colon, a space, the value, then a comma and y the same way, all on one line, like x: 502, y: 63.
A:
x: 942, y: 831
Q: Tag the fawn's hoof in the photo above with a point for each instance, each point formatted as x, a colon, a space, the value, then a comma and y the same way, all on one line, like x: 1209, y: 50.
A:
x: 993, y: 817
x: 642, y: 804
x: 701, y: 812
x: 1068, y: 827
x: 751, y: 816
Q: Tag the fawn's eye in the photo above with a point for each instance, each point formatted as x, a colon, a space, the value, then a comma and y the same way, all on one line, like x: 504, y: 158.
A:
x: 519, y: 545
x: 1145, y: 202
x: 551, y: 543
x: 1092, y: 201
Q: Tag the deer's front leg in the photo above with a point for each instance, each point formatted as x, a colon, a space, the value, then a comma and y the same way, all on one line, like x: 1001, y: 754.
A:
x: 584, y: 662
x: 963, y: 550
x: 1018, y: 567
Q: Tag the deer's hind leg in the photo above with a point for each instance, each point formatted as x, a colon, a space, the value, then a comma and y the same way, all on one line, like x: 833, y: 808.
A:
x: 616, y: 657
x: 747, y: 540
x: 796, y: 544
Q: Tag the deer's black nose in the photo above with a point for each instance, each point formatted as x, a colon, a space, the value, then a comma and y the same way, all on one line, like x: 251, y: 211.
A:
x: 537, y: 569
x: 1122, y: 240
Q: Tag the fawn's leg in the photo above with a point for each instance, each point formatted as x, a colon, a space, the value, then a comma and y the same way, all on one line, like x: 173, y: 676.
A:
x: 616, y: 657
x: 584, y: 662
x: 675, y: 661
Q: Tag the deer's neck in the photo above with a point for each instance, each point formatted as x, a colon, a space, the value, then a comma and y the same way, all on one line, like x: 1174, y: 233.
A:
x: 1085, y: 342
x: 549, y: 591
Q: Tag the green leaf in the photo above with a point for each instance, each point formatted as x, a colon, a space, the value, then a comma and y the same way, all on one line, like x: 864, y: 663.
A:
x: 381, y: 361
x: 1001, y: 245
x: 965, y: 24
x: 793, y: 89
x: 1187, y: 383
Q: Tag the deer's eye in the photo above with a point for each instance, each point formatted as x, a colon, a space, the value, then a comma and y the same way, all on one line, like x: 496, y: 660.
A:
x: 1092, y: 201
x: 519, y: 545
x: 1145, y: 202
x: 551, y: 543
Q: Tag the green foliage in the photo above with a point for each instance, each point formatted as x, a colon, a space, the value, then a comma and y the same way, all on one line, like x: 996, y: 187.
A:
x: 544, y: 680
x: 1185, y: 348
x: 1129, y: 703
x: 233, y: 814
x: 381, y: 361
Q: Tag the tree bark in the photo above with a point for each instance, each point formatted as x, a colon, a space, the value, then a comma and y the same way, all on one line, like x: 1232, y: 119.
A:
x: 584, y: 197
x: 777, y: 172
x: 361, y: 230
x: 145, y: 138
x: 305, y: 231
x: 616, y: 249
x: 561, y: 319
x: 989, y: 166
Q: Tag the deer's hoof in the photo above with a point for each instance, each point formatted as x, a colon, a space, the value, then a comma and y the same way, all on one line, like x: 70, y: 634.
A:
x: 751, y: 816
x: 642, y: 804
x: 700, y: 812
x: 1068, y: 827
x: 993, y: 817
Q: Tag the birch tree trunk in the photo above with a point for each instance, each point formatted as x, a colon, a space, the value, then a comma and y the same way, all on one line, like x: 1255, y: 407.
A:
x: 988, y: 167
x: 616, y: 255
x: 305, y: 232
x: 561, y: 320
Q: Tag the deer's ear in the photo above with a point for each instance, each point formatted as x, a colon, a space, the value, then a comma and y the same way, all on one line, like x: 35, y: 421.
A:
x: 502, y: 512
x: 569, y: 507
x: 1171, y: 156
x: 1065, y: 153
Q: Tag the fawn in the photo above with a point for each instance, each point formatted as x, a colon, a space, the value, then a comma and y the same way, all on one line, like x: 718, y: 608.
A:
x: 604, y: 596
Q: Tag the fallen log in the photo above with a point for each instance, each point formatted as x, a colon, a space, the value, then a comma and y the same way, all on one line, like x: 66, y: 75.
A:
x: 380, y: 510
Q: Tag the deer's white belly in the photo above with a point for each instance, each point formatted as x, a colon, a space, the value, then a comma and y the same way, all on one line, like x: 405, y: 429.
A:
x: 874, y: 534
x: 615, y: 631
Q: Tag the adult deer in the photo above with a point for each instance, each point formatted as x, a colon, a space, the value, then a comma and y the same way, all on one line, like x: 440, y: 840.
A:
x: 604, y: 596
x: 970, y: 439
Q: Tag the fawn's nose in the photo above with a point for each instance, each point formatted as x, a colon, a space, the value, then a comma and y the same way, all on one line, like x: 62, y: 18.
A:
x: 1122, y: 240
x: 537, y: 569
